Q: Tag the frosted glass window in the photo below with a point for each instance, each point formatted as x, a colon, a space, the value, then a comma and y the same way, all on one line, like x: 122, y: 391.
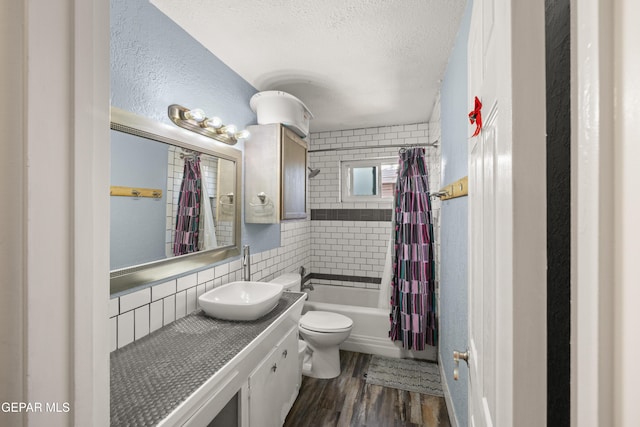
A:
x: 364, y: 181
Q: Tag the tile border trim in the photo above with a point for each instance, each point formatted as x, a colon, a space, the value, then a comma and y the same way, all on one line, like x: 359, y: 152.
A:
x: 344, y: 278
x: 351, y: 214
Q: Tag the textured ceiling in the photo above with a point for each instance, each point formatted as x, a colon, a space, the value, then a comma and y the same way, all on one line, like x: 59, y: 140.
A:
x: 354, y: 63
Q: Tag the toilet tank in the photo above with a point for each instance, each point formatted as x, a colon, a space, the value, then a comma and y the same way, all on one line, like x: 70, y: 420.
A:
x: 291, y: 282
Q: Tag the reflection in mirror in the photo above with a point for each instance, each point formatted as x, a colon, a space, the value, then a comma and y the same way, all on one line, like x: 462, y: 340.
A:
x: 213, y: 217
x: 192, y: 217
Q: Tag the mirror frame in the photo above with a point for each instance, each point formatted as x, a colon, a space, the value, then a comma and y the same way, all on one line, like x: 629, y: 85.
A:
x: 135, y: 276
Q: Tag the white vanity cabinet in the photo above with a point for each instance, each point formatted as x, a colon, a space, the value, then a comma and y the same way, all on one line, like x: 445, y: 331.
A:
x: 274, y: 384
x: 275, y: 175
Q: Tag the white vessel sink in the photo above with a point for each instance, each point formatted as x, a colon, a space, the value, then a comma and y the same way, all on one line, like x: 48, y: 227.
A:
x: 241, y: 300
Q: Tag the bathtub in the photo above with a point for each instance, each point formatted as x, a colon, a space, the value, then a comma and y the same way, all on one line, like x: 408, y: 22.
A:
x: 370, y: 333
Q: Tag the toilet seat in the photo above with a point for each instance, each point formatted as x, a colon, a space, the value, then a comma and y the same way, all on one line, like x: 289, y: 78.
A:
x: 325, y: 321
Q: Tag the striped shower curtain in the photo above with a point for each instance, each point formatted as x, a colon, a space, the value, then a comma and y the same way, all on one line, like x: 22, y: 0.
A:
x: 413, y: 316
x: 188, y: 215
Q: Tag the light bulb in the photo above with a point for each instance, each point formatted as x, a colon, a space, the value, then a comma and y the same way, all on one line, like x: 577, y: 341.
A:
x: 213, y: 122
x: 243, y: 134
x: 196, y: 115
x: 230, y: 129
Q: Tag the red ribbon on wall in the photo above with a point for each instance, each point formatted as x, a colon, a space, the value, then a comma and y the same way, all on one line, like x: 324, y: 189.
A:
x: 475, y: 116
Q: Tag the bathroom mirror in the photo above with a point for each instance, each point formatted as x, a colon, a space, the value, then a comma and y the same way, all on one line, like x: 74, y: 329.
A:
x: 175, y: 201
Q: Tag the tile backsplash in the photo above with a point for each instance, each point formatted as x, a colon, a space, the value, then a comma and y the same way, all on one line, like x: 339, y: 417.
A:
x: 135, y: 315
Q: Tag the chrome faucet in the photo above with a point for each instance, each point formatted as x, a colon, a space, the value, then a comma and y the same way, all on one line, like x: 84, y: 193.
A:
x: 246, y: 263
x: 307, y: 285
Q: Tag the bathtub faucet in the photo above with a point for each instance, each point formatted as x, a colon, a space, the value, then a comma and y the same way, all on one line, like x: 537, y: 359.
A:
x: 307, y: 285
x: 246, y: 263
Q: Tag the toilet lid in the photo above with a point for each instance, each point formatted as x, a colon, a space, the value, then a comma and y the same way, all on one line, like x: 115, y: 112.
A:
x: 324, y: 321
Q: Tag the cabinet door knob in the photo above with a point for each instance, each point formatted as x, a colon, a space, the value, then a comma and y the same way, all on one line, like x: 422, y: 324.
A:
x: 274, y: 368
x: 284, y: 354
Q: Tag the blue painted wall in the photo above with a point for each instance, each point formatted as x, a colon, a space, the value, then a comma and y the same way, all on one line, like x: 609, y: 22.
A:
x: 453, y: 226
x: 155, y: 63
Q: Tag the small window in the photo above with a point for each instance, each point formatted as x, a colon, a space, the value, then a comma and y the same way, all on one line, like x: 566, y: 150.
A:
x: 369, y: 180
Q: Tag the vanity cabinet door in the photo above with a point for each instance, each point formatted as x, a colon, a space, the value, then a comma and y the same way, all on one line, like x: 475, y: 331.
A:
x: 263, y: 410
x: 289, y: 373
x: 294, y: 176
x: 274, y: 384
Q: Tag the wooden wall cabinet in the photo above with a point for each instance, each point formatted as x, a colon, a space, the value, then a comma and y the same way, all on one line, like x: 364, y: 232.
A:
x: 275, y: 175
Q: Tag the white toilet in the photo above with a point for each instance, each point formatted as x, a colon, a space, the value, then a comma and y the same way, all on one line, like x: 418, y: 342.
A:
x: 323, y: 331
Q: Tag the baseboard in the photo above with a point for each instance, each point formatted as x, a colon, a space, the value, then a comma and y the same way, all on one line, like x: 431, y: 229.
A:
x: 453, y: 420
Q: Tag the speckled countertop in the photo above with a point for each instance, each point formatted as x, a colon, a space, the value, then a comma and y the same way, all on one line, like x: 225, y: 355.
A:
x: 152, y: 376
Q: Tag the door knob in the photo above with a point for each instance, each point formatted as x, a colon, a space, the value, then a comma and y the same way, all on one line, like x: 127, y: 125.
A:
x: 457, y: 357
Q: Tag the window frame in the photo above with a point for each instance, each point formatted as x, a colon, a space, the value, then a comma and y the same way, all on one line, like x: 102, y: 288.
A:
x: 346, y: 178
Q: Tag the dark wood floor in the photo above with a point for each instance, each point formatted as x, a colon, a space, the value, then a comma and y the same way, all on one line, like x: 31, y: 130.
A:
x: 349, y: 401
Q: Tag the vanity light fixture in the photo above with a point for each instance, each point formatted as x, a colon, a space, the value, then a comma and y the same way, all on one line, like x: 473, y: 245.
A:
x: 196, y: 115
x: 197, y: 121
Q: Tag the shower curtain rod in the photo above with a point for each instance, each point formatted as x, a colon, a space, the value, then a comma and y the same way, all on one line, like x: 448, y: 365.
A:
x: 188, y: 155
x: 361, y: 147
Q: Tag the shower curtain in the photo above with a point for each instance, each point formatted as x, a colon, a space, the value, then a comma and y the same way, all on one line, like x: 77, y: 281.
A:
x: 413, y: 317
x: 188, y: 215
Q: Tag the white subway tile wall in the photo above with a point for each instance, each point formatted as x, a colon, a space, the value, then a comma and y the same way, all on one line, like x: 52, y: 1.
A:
x: 192, y: 299
x: 169, y: 306
x: 358, y: 248
x: 155, y: 315
x: 186, y: 282
x: 181, y: 304
x: 163, y: 290
x: 135, y: 300
x: 125, y: 328
x: 353, y: 248
x: 140, y: 313
x: 142, y: 321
